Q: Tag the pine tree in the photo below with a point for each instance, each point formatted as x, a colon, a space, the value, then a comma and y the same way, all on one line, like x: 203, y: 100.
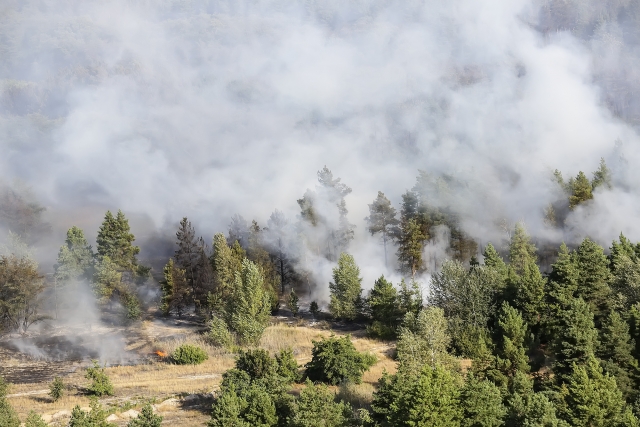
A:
x: 384, y: 309
x: 249, y: 307
x: 175, y: 289
x: 602, y: 176
x: 292, y: 303
x: 529, y: 296
x: 346, y: 288
x: 591, y: 397
x: 521, y: 251
x: 146, y: 418
x: 115, y: 241
x: 187, y: 255
x: 481, y: 403
x: 492, y: 259
x: 382, y: 219
x: 34, y: 420
x: 616, y: 352
x: 561, y: 288
x: 238, y: 231
x: 527, y: 408
x: 581, y: 190
x: 277, y: 240
x: 107, y: 279
x: 8, y: 416
x: 225, y: 264
x: 410, y: 246
x: 316, y: 407
x: 594, y: 278
x: 511, y: 355
x: 576, y: 341
x: 75, y: 258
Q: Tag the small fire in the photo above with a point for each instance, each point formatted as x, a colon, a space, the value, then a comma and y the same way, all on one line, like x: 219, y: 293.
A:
x: 160, y: 353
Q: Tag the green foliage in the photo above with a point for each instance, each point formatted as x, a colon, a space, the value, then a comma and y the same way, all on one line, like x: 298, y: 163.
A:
x: 292, y: 303
x: 219, y: 334
x: 521, y: 250
x: 581, y: 190
x: 249, y: 306
x: 577, y: 339
x: 257, y: 363
x: 131, y: 303
x: 8, y: 416
x: 20, y: 288
x: 314, y: 309
x: 424, y: 340
x: 335, y: 360
x: 511, y: 355
x: 346, y: 288
x: 602, y: 176
x: 115, y: 241
x: 481, y: 403
x: 56, y: 389
x: 288, y: 366
x: 146, y: 418
x: 176, y: 292
x: 188, y: 354
x: 316, y: 407
x: 594, y: 278
x: 384, y: 310
x: 527, y: 408
x: 96, y: 417
x: 75, y: 258
x: 431, y: 398
x: 34, y: 420
x: 382, y: 220
x: 106, y: 279
x: 411, y: 240
x: 100, y: 382
x: 591, y: 397
x: 561, y: 287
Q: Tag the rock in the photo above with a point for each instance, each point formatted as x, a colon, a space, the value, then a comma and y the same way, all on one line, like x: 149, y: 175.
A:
x: 61, y: 414
x: 169, y: 403
x: 47, y: 418
x: 131, y: 413
x: 191, y: 398
x: 111, y: 418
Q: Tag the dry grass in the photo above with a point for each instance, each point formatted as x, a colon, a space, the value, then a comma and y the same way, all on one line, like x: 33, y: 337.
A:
x: 159, y: 379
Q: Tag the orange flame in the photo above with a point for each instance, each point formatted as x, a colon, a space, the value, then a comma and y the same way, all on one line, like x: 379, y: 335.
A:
x: 160, y: 353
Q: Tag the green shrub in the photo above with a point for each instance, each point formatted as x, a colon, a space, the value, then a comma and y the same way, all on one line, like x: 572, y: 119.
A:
x: 8, y: 416
x: 335, y: 360
x: 292, y: 303
x: 34, y: 420
x: 146, y: 418
x: 132, y: 307
x: 100, y: 383
x: 219, y: 334
x: 288, y: 366
x: 257, y: 363
x: 314, y: 309
x: 56, y: 389
x: 188, y: 354
x: 96, y: 417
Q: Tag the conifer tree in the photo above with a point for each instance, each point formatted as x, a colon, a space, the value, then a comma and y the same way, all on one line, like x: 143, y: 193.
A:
x: 560, y: 290
x: 602, y: 176
x: 34, y: 420
x: 187, y: 255
x: 8, y: 415
x: 591, y: 397
x: 316, y: 407
x: 75, y: 258
x: 616, y: 353
x: 115, y: 241
x: 175, y: 289
x: 576, y: 339
x: 511, y: 355
x: 481, y: 403
x: 529, y: 295
x: 277, y: 241
x: 382, y: 219
x: 411, y: 240
x: 146, y: 418
x: 249, y: 307
x: 521, y: 251
x: 492, y: 259
x: 581, y: 190
x: 527, y: 408
x: 225, y: 263
x: 346, y: 288
x: 384, y: 309
x: 594, y: 278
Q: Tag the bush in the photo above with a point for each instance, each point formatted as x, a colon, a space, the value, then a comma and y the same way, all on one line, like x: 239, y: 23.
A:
x: 100, y: 382
x: 146, y: 418
x: 96, y: 417
x: 335, y: 360
x: 56, y: 389
x: 34, y: 420
x: 219, y: 334
x: 8, y: 416
x: 132, y: 307
x: 257, y: 363
x: 314, y: 309
x: 292, y: 303
x: 288, y: 366
x: 188, y: 354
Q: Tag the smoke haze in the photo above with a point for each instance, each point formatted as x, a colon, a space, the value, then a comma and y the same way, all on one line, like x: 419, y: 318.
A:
x: 205, y: 109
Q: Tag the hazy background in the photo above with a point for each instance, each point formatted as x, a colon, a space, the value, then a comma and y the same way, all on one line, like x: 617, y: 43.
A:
x: 206, y: 109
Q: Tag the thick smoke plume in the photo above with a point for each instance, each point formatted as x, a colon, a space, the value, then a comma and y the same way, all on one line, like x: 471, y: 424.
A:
x: 206, y: 109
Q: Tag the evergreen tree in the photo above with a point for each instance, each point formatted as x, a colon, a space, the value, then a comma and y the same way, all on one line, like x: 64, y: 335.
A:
x: 481, y: 403
x: 602, y: 176
x: 292, y: 303
x: 146, y: 418
x: 34, y: 420
x: 316, y: 407
x: 492, y: 259
x: 411, y: 240
x: 511, y: 355
x: 591, y: 398
x: 238, y: 231
x: 594, y: 278
x: 277, y: 240
x: 225, y: 263
x: 346, y: 288
x: 529, y: 295
x: 521, y: 251
x: 175, y: 289
x: 107, y: 279
x: 430, y: 399
x: 249, y: 307
x: 75, y: 258
x: 8, y: 416
x: 616, y: 353
x: 115, y: 241
x: 560, y: 290
x: 384, y: 309
x: 227, y: 411
x: 527, y: 408
x: 382, y: 219
x: 576, y: 341
x: 581, y: 190
x: 187, y: 255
